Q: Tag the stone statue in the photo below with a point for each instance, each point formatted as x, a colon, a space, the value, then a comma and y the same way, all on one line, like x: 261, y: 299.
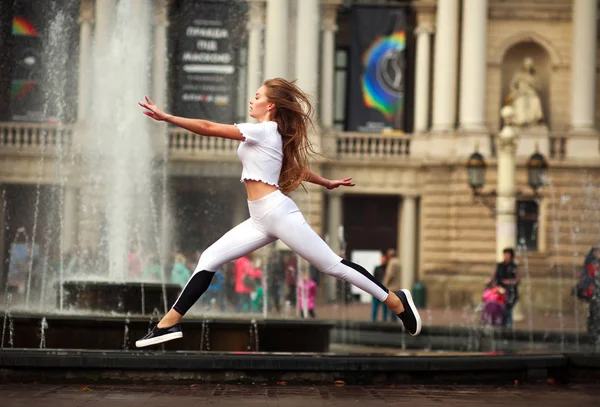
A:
x: 523, y: 96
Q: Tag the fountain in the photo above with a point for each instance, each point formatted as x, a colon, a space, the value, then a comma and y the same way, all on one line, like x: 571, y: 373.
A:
x: 83, y: 301
x: 99, y: 305
x: 85, y: 313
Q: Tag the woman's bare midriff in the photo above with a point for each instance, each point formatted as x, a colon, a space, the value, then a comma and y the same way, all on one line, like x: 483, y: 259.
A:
x: 258, y: 189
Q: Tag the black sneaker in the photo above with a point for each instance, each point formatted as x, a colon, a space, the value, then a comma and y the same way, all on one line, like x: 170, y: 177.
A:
x: 160, y: 335
x: 410, y: 317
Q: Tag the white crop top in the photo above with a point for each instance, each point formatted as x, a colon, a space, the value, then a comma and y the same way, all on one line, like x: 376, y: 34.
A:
x: 261, y: 153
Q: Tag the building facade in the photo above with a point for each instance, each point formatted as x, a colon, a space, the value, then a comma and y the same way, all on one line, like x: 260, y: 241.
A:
x: 411, y: 187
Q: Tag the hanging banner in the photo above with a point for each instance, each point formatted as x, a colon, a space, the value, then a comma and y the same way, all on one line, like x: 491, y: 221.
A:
x: 206, y: 61
x: 26, y: 96
x: 377, y: 69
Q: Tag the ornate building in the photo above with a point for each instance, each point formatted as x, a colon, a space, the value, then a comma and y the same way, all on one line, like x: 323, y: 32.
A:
x: 469, y: 59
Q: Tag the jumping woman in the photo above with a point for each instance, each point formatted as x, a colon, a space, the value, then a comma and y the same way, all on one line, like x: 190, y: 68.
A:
x: 274, y: 155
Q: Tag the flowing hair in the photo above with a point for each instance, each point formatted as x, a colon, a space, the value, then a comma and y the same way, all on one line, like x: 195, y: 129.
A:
x: 293, y: 111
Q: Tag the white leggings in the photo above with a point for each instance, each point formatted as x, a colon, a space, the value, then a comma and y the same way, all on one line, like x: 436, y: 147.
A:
x: 273, y: 217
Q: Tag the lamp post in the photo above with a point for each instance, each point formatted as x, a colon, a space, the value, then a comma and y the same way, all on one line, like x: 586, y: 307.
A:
x: 502, y: 201
x: 506, y: 227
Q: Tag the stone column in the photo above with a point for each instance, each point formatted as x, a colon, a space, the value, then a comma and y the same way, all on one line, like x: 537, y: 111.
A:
x: 329, y: 27
x: 69, y: 231
x: 583, y: 65
x: 256, y: 25
x: 159, y: 58
x: 506, y: 228
x: 105, y: 13
x: 334, y: 222
x: 473, y: 65
x: 276, y: 39
x: 160, y: 20
x: 445, y: 72
x: 86, y: 19
x: 307, y: 45
x: 422, y: 79
x: 408, y: 240
x: 308, y: 20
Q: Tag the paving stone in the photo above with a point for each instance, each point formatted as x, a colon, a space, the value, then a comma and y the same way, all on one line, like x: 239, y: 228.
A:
x: 290, y: 396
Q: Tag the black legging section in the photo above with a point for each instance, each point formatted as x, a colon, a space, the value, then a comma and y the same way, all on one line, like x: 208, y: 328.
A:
x: 195, y: 287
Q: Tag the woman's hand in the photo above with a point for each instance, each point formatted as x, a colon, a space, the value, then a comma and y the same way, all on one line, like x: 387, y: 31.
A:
x: 154, y: 111
x: 340, y: 183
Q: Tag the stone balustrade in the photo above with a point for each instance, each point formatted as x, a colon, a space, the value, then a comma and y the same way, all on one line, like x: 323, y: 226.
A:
x: 368, y: 146
x: 34, y: 138
x: 184, y: 144
x: 557, y: 146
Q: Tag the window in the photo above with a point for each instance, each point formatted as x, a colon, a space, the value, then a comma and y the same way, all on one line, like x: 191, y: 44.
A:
x: 340, y: 84
x: 527, y: 224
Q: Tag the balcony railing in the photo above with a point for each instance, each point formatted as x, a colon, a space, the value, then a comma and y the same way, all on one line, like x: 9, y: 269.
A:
x: 368, y: 146
x: 34, y: 138
x: 184, y: 144
x: 557, y: 146
x: 37, y: 138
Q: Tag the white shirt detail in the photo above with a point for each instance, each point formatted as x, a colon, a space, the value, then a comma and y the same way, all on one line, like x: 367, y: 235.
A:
x: 261, y: 153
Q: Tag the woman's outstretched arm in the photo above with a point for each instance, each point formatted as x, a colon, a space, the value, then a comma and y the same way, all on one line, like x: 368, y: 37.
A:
x: 327, y: 183
x: 202, y: 127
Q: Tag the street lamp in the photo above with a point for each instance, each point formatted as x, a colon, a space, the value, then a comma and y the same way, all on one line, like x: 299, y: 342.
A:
x: 476, y: 171
x: 536, y: 171
x: 476, y: 166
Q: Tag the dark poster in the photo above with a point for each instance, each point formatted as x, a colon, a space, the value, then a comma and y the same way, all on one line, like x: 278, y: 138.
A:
x: 377, y: 69
x: 26, y: 96
x: 206, y: 61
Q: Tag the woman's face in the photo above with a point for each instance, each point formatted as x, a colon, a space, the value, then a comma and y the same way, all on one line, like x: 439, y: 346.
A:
x: 260, y: 106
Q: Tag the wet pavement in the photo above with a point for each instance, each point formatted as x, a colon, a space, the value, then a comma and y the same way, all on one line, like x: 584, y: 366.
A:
x: 550, y: 395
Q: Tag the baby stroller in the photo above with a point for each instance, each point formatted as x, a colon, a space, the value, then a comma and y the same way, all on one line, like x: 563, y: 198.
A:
x: 492, y: 313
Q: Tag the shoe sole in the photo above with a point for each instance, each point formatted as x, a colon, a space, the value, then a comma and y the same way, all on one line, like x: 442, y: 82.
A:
x: 160, y: 339
x: 413, y: 308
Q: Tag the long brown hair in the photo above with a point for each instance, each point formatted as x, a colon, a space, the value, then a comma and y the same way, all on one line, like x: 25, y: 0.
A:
x: 293, y: 111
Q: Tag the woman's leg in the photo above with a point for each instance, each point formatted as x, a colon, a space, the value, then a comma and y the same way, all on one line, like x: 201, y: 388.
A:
x: 287, y: 223
x: 242, y: 239
x: 385, y: 314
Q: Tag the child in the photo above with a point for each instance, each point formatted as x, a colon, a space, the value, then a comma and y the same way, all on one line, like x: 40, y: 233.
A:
x: 306, y: 289
x: 493, y: 308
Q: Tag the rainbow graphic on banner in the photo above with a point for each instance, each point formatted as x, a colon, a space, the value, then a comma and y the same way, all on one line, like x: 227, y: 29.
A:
x: 20, y: 88
x: 377, y: 91
x: 23, y: 27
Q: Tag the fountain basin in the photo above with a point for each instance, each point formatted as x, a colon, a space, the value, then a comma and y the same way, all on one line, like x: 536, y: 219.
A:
x: 213, y: 334
x: 85, y: 367
x: 462, y: 339
x: 126, y: 297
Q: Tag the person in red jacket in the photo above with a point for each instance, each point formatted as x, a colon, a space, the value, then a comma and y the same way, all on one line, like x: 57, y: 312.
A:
x: 246, y: 278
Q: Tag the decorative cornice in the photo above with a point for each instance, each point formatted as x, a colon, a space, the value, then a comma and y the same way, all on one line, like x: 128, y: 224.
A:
x: 329, y: 15
x: 160, y: 13
x: 425, y: 6
x: 423, y: 29
x: 256, y: 14
x: 523, y: 36
x: 86, y: 12
x: 523, y: 10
